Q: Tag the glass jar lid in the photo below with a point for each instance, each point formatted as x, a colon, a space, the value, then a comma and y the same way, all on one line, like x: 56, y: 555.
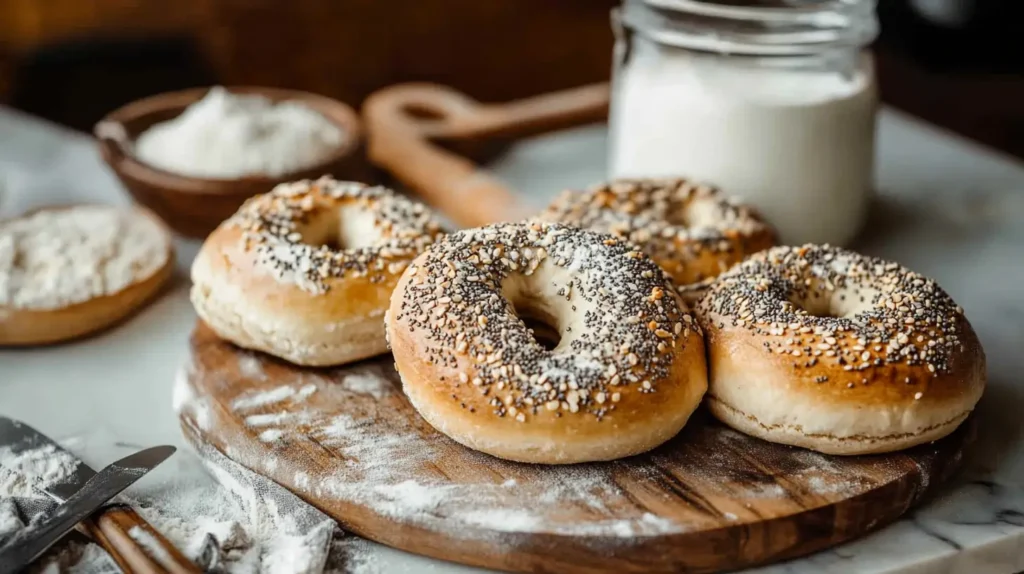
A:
x: 754, y: 27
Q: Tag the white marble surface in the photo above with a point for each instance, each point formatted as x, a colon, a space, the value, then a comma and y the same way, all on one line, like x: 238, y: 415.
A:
x: 946, y: 207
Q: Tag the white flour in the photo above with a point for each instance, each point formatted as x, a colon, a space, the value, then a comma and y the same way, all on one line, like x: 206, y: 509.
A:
x: 31, y: 469
x: 248, y: 533
x: 389, y: 476
x: 227, y: 135
x: 267, y: 419
x: 247, y: 524
x: 78, y: 558
x: 272, y: 396
x: 368, y: 381
x: 387, y: 457
x: 57, y: 258
x: 149, y: 543
x: 400, y: 472
x: 271, y: 435
x: 249, y: 366
x: 10, y: 522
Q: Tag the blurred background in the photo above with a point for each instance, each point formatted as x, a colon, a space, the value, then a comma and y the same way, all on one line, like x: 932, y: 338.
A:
x: 956, y: 63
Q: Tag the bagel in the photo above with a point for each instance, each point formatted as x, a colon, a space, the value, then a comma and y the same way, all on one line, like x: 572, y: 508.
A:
x: 71, y: 271
x: 826, y: 349
x: 692, y: 231
x: 618, y: 371
x: 305, y: 271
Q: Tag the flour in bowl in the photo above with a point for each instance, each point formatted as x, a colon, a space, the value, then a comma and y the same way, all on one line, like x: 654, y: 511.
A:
x: 226, y: 135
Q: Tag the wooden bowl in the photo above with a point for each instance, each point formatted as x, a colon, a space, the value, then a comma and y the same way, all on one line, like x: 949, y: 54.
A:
x: 194, y: 206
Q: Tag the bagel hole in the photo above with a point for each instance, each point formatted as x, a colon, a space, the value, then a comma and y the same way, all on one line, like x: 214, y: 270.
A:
x: 540, y: 323
x: 695, y: 214
x: 818, y: 307
x: 350, y: 228
x: 841, y: 304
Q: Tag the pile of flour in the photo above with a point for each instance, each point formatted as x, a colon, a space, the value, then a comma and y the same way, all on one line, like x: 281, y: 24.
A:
x: 227, y: 520
x: 227, y: 135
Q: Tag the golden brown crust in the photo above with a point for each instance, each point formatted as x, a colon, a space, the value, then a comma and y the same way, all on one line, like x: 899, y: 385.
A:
x: 885, y: 384
x: 897, y: 364
x: 640, y: 422
x: 267, y: 279
x: 24, y: 327
x: 533, y: 405
x: 45, y: 316
x: 829, y: 443
x: 226, y: 259
x: 694, y: 232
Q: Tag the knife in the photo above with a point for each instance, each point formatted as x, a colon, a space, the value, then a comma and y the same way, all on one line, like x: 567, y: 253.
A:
x: 31, y: 542
x: 112, y: 525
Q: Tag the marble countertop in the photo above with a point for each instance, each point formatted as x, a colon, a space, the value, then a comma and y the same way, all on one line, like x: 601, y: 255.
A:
x: 946, y: 207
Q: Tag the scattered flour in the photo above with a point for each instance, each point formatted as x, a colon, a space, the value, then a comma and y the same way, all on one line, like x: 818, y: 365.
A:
x: 250, y: 367
x: 78, y: 558
x: 267, y: 419
x: 263, y: 398
x: 369, y: 381
x: 240, y: 524
x: 182, y: 394
x: 387, y: 457
x: 502, y: 520
x: 227, y: 135
x: 271, y: 435
x: 767, y: 491
x: 272, y: 397
x: 31, y: 469
x: 184, y: 400
x: 150, y: 544
x: 10, y: 521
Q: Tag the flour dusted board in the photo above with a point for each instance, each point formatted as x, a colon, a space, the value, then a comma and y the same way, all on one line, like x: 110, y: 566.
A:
x: 347, y: 441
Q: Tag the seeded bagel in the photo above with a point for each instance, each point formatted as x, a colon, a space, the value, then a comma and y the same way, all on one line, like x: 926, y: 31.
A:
x: 618, y: 369
x: 834, y: 351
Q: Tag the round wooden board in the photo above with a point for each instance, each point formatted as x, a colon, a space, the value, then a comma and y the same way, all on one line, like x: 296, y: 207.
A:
x: 347, y: 441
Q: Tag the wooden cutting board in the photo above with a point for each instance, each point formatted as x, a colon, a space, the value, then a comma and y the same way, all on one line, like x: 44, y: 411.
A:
x: 347, y: 441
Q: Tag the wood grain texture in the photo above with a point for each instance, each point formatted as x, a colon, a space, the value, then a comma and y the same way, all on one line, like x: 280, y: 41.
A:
x: 711, y: 499
x: 113, y: 529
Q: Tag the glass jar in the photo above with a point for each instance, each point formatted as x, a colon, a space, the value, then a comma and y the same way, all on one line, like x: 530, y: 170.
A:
x: 774, y: 101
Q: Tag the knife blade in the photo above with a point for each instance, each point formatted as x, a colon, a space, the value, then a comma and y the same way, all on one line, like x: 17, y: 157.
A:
x: 109, y: 528
x: 31, y: 542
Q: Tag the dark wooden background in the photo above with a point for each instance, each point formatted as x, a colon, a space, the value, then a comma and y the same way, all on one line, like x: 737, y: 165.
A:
x: 73, y: 60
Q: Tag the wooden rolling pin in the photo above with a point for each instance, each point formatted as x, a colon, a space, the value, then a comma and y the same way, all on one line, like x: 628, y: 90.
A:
x: 406, y: 123
x: 115, y: 530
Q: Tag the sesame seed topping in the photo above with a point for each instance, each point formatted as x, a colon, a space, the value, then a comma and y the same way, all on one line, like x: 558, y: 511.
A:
x: 276, y: 225
x: 852, y: 311
x: 675, y: 221
x: 584, y: 372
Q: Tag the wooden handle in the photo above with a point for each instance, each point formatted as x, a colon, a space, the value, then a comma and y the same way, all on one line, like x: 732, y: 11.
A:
x: 119, y: 530
x: 113, y: 140
x: 405, y: 122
